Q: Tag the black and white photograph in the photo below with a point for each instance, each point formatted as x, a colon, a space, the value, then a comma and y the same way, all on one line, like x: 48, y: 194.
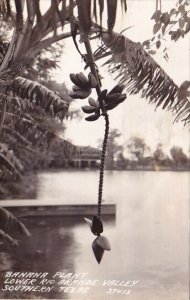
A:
x: 94, y: 149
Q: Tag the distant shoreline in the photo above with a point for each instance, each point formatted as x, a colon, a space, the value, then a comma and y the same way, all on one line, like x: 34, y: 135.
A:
x: 158, y: 169
x: 139, y: 168
x: 27, y: 188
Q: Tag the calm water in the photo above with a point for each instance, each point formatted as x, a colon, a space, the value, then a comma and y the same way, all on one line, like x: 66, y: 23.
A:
x: 149, y: 237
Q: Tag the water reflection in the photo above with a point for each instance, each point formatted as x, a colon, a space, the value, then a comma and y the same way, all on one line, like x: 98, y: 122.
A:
x: 149, y: 238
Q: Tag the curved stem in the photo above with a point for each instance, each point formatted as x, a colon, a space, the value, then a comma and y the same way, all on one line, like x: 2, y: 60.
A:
x: 102, y: 164
x: 92, y: 65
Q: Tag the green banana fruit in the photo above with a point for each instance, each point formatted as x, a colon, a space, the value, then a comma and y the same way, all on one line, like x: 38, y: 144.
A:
x: 80, y: 80
x: 111, y: 106
x: 80, y: 94
x: 93, y: 102
x: 74, y: 79
x: 93, y: 117
x: 76, y: 88
x: 102, y: 96
x: 117, y: 89
x: 83, y: 81
x: 115, y: 102
x: 121, y: 98
x: 110, y: 98
x: 89, y: 109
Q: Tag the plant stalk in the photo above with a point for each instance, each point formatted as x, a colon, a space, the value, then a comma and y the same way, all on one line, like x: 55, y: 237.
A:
x: 102, y: 165
x: 91, y: 63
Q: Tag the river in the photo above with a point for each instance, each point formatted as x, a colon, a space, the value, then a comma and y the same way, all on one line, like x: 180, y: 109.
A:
x: 149, y: 236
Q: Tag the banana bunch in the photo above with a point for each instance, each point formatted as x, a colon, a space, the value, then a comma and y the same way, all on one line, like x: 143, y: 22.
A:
x: 114, y: 97
x: 93, y: 109
x: 106, y: 101
x: 82, y: 85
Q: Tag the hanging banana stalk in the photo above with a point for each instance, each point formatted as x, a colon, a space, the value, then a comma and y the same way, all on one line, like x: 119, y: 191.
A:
x: 105, y: 101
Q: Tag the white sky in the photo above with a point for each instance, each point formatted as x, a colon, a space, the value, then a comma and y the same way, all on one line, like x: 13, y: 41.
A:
x: 135, y: 116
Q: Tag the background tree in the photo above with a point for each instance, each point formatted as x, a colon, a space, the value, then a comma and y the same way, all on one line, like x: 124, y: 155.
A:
x: 173, y: 25
x: 122, y: 162
x: 161, y: 158
x: 137, y: 147
x: 40, y: 67
x: 179, y: 157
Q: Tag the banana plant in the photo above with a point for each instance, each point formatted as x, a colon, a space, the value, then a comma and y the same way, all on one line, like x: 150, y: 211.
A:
x: 138, y: 71
x: 105, y: 101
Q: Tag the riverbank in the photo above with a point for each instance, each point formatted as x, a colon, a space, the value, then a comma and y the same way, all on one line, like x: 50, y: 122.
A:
x: 25, y: 188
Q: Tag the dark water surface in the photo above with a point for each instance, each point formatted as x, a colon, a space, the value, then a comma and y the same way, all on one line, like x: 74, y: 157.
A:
x: 149, y: 236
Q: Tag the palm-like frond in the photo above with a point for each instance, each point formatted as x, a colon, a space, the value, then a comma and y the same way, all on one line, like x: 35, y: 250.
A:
x: 7, y: 220
x: 30, y: 128
x: 87, y: 9
x: 8, y: 223
x: 31, y: 136
x: 41, y: 96
x: 9, y: 162
x: 7, y: 237
x: 140, y: 73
